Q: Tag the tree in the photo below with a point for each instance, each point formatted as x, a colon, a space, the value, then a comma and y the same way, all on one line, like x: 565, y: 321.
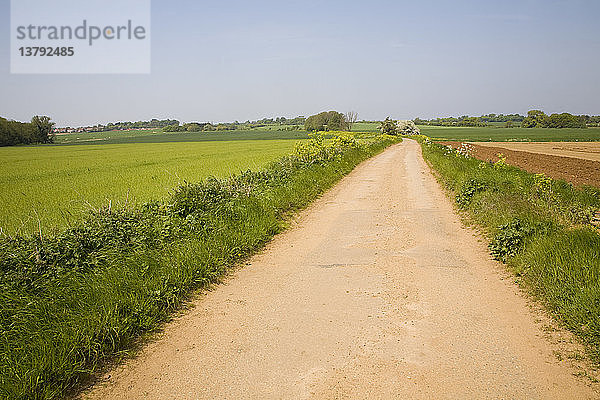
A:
x: 192, y: 127
x: 407, y: 127
x: 350, y: 117
x: 39, y: 130
x: 538, y: 119
x: 326, y: 121
x: 565, y: 120
x: 535, y: 119
x: 42, y: 129
x: 173, y: 128
x: 470, y: 121
x: 389, y: 126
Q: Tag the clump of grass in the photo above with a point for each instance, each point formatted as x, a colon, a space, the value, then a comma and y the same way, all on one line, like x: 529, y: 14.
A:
x: 540, y: 227
x: 71, y: 301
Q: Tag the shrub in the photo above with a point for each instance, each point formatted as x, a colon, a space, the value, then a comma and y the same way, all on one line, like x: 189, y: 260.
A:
x: 510, y: 240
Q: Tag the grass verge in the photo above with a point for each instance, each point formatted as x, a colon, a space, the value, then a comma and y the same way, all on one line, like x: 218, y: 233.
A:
x: 75, y: 300
x: 541, y: 228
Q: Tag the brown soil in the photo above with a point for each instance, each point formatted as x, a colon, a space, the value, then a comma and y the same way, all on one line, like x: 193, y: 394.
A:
x: 584, y: 150
x: 575, y: 170
x: 377, y: 292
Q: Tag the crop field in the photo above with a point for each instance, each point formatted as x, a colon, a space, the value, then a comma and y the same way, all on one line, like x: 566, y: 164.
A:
x: 48, y: 186
x: 491, y: 134
x: 495, y: 133
x: 583, y: 150
x: 365, y: 127
x: 157, y: 136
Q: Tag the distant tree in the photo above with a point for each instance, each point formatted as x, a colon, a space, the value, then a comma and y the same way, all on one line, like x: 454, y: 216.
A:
x: 326, y: 121
x: 565, y: 120
x: 594, y: 120
x: 39, y: 130
x: 350, y: 117
x: 535, y: 119
x: 173, y: 128
x: 43, y: 129
x: 192, y: 127
x: 389, y: 126
x: 470, y: 121
x: 538, y: 119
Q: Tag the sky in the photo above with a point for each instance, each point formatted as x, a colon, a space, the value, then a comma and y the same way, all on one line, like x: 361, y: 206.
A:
x: 227, y: 60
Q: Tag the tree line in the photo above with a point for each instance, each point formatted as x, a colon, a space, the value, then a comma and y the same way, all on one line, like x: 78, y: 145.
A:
x: 534, y: 119
x: 121, y: 126
x: 39, y: 130
x: 468, y: 121
x: 539, y: 119
x: 283, y: 122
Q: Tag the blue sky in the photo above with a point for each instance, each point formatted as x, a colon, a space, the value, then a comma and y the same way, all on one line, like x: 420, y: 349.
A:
x: 236, y: 60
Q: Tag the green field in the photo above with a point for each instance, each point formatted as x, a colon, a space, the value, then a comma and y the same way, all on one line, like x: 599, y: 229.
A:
x: 492, y: 134
x: 157, y: 136
x: 56, y: 184
x: 365, y: 127
x: 495, y: 133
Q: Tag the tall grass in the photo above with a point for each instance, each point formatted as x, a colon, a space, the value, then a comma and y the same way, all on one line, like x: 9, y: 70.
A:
x: 538, y: 226
x: 72, y: 301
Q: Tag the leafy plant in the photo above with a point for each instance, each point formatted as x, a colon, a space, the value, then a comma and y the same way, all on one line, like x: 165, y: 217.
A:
x: 543, y: 185
x: 510, y: 240
x: 501, y: 163
x: 468, y: 190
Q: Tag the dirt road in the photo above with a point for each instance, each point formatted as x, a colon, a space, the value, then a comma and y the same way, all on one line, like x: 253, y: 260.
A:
x: 376, y: 292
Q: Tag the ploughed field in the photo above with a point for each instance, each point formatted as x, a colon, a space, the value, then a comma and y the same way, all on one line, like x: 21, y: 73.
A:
x: 575, y: 162
x: 583, y: 150
x: 48, y: 186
